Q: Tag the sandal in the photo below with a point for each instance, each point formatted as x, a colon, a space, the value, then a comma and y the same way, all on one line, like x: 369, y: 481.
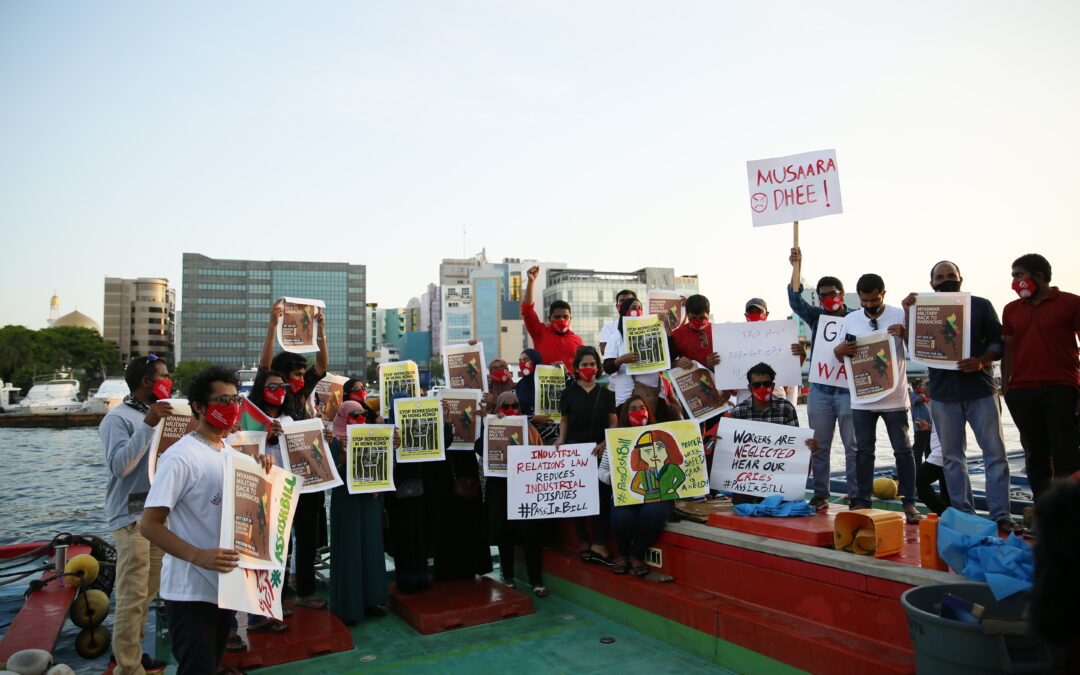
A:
x: 598, y: 559
x: 268, y: 625
x: 541, y: 591
x: 585, y: 554
x: 639, y: 568
x: 1008, y: 526
x: 311, y: 603
x: 286, y: 612
x: 235, y: 644
x: 912, y: 515
x: 621, y: 565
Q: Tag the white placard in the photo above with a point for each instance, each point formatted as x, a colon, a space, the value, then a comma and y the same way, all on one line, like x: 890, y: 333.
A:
x: 761, y: 459
x: 462, y: 410
x: 306, y: 452
x: 500, y: 433
x: 796, y: 187
x: 296, y: 329
x: 544, y: 482
x: 939, y: 329
x: 464, y: 366
x: 742, y: 346
x: 256, y: 511
x: 825, y: 368
x: 873, y: 370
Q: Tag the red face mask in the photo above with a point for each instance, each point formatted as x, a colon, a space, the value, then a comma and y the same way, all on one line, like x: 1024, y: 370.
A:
x: 526, y: 367
x: 223, y: 416
x: 296, y: 384
x: 1025, y: 288
x: 761, y: 394
x: 699, y: 324
x: 162, y: 388
x: 358, y: 396
x: 832, y: 304
x: 761, y: 316
x: 638, y: 418
x: 500, y: 375
x: 274, y: 396
x: 634, y: 312
x: 509, y: 411
x: 586, y: 374
x: 560, y: 325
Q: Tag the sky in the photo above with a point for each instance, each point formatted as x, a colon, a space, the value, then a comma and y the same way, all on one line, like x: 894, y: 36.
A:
x: 607, y: 135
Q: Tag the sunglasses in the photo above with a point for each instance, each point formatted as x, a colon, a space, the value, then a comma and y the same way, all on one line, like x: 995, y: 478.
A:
x: 226, y: 400
x: 274, y: 386
x: 759, y: 385
x: 873, y: 324
x: 512, y: 406
x: 356, y: 413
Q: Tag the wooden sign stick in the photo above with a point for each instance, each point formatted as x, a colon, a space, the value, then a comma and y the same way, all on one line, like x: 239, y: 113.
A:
x: 795, y: 227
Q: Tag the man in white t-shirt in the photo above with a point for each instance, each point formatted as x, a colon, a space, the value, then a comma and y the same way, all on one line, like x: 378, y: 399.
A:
x: 610, y: 330
x: 877, y: 317
x: 187, y: 491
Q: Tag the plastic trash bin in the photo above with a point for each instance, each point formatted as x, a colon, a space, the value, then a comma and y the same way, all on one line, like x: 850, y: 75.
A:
x: 954, y: 647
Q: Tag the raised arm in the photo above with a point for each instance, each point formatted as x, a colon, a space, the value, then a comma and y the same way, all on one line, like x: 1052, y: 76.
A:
x: 267, y: 355
x: 322, y: 359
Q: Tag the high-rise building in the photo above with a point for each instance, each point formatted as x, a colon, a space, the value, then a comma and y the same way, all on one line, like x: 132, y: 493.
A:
x: 412, y: 316
x: 431, y: 314
x: 372, y: 339
x: 226, y: 307
x: 456, y: 311
x: 140, y: 317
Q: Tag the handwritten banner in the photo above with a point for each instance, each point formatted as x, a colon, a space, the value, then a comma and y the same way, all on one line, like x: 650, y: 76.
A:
x: 761, y: 459
x: 873, y: 373
x: 307, y: 452
x: 796, y: 187
x: 658, y: 462
x: 465, y: 367
x: 461, y: 411
x: 327, y: 396
x: 545, y: 482
x: 420, y: 423
x: 251, y: 443
x: 667, y: 303
x: 296, y: 327
x: 697, y: 392
x: 399, y: 376
x: 169, y: 429
x: 825, y: 368
x: 646, y: 337
x: 256, y: 509
x: 368, y: 462
x: 550, y: 383
x: 940, y: 324
x: 743, y: 345
x: 499, y: 434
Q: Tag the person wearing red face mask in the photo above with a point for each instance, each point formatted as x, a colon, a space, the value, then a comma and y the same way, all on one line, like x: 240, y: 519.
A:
x: 500, y: 379
x: 126, y: 433
x: 616, y: 360
x: 187, y: 491
x: 1040, y: 372
x: 587, y: 411
x: 692, y: 341
x: 554, y: 340
x: 757, y: 310
x: 611, y: 328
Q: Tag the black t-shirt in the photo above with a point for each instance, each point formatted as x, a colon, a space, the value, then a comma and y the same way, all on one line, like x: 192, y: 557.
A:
x: 587, y: 413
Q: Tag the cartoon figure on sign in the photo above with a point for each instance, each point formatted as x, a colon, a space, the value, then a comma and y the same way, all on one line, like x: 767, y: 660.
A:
x: 948, y: 329
x: 656, y: 459
x: 881, y: 363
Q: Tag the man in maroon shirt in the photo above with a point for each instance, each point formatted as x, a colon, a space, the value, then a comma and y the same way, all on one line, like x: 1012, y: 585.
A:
x: 693, y: 339
x: 1040, y: 372
x: 554, y: 340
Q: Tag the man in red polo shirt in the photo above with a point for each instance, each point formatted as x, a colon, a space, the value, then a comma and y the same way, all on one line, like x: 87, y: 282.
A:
x: 1040, y: 372
x: 554, y: 340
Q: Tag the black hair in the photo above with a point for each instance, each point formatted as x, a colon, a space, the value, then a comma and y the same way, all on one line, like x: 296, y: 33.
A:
x: 697, y: 304
x: 624, y: 307
x: 761, y: 369
x: 944, y: 262
x: 829, y: 281
x: 868, y: 283
x: 286, y: 362
x: 138, y: 368
x: 625, y: 291
x: 559, y: 304
x: 256, y: 393
x: 351, y: 383
x: 582, y: 352
x: 1033, y: 262
x: 203, y: 384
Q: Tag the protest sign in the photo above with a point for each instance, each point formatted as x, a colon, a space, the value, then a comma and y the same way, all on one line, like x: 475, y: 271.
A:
x: 420, y: 423
x: 368, y: 462
x: 939, y: 326
x: 825, y: 368
x: 461, y: 406
x: 743, y: 345
x: 253, y: 591
x: 251, y: 443
x: 796, y: 187
x: 327, y: 396
x: 545, y: 482
x: 306, y: 453
x: 873, y: 373
x: 697, y: 392
x: 500, y: 433
x: 761, y: 459
x: 255, y: 509
x: 550, y: 383
x: 399, y: 376
x: 669, y: 304
x: 170, y: 428
x: 646, y: 337
x: 465, y: 367
x: 656, y: 462
x: 297, y: 327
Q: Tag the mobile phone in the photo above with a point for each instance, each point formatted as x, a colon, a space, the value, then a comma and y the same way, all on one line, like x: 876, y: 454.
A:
x: 850, y: 338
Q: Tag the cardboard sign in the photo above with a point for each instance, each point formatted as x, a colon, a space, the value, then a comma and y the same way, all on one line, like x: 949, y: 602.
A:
x: 255, y: 506
x: 420, y: 423
x: 669, y: 304
x: 825, y: 368
x: 796, y: 187
x: 658, y: 462
x: 761, y: 459
x: 307, y: 452
x: 550, y: 383
x: 499, y: 434
x: 465, y: 366
x: 646, y: 337
x: 873, y: 372
x: 328, y: 395
x: 939, y: 329
x: 297, y: 327
x: 396, y: 377
x: 742, y: 346
x: 251, y: 443
x: 696, y: 389
x: 254, y: 591
x: 462, y: 412
x: 169, y: 429
x: 544, y: 482
x: 368, y: 458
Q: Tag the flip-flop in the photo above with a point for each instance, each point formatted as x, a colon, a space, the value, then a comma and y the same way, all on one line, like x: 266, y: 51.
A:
x: 621, y: 565
x: 585, y: 554
x: 639, y: 568
x: 269, y: 626
x: 598, y: 559
x: 311, y: 603
x: 234, y: 644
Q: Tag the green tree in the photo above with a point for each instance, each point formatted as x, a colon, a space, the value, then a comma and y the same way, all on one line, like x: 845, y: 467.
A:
x: 26, y: 354
x: 186, y: 370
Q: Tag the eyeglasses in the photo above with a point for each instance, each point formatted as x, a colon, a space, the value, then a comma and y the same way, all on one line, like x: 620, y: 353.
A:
x: 226, y: 400
x: 356, y: 413
x: 274, y: 386
x: 512, y: 406
x: 759, y: 385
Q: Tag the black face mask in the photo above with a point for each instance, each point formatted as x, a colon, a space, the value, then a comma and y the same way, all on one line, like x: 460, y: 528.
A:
x: 948, y: 286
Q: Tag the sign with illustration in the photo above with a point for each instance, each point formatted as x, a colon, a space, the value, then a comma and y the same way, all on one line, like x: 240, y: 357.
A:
x: 761, y: 459
x: 255, y: 509
x: 296, y: 328
x: 251, y: 443
x: 646, y: 337
x: 420, y: 424
x: 399, y: 376
x: 253, y: 591
x: 461, y: 411
x: 170, y: 428
x: 667, y: 303
x: 796, y: 187
x: 545, y: 482
x: 743, y: 345
x: 369, y: 463
x: 308, y: 454
x: 327, y: 396
x: 550, y: 383
x: 499, y: 434
x: 938, y: 329
x: 697, y: 392
x: 825, y: 368
x: 658, y: 462
x: 465, y: 367
x: 873, y: 372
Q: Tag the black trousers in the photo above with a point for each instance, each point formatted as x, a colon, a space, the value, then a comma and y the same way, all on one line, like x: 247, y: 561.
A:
x: 534, y: 560
x: 1046, y: 419
x: 198, y: 631
x: 308, y: 525
x: 925, y: 476
x: 921, y: 446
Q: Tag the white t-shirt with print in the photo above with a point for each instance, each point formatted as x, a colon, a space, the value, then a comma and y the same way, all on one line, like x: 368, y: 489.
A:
x: 189, y: 482
x: 858, y: 324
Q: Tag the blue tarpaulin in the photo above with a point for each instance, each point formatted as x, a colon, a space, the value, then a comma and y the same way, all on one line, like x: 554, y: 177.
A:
x: 775, y: 506
x: 972, y: 547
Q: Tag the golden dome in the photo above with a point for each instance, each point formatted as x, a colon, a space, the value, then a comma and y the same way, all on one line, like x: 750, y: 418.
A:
x: 77, y: 319
x: 55, y: 302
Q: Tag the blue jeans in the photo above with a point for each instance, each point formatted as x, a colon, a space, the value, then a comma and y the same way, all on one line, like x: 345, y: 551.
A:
x: 825, y: 407
x: 984, y: 416
x: 896, y: 424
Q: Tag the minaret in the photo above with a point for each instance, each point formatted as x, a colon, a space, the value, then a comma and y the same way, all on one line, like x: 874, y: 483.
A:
x: 54, y: 309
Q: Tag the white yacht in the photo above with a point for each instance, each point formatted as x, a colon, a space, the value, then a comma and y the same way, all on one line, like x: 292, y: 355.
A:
x: 110, y: 394
x: 9, y: 397
x: 247, y: 378
x: 53, y: 395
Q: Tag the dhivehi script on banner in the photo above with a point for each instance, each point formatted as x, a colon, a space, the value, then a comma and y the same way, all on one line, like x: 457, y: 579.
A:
x: 646, y: 337
x: 825, y: 368
x: 420, y: 424
x: 369, y: 456
x: 743, y: 345
x: 395, y: 377
x: 296, y: 329
x: 873, y: 372
x: 761, y: 458
x: 548, y: 482
x: 939, y: 326
x: 795, y: 187
x: 170, y: 428
x: 658, y: 462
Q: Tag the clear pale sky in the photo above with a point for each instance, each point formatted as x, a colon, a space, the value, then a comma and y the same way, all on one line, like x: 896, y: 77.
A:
x: 611, y: 135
